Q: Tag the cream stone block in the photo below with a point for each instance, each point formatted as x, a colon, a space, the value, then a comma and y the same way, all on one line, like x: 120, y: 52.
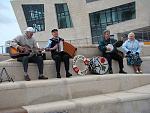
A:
x: 12, y: 98
x: 51, y: 107
x: 48, y: 91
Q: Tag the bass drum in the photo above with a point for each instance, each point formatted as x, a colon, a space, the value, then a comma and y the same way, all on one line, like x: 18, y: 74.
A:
x: 98, y: 65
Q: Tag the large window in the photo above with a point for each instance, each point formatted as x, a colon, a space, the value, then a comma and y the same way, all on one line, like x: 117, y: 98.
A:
x: 101, y: 19
x: 34, y: 14
x: 63, y: 16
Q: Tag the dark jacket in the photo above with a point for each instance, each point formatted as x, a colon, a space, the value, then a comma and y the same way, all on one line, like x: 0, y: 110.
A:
x: 104, y: 43
x: 55, y: 41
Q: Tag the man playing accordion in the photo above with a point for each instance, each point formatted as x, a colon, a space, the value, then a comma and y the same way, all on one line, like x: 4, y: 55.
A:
x: 55, y: 45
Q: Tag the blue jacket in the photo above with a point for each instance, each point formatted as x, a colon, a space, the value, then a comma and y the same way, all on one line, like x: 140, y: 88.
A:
x: 132, y: 46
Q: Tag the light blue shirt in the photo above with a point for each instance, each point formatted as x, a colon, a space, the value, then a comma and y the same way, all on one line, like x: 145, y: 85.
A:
x: 132, y: 46
x: 49, y: 44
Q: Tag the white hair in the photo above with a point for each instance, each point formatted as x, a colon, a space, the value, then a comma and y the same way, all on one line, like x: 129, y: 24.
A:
x: 131, y: 33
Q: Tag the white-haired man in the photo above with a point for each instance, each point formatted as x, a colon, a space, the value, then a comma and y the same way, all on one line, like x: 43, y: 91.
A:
x: 27, y: 40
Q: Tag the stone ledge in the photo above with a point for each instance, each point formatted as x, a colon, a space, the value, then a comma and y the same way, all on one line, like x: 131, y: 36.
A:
x: 25, y: 93
x: 119, y: 102
x: 15, y: 69
x: 15, y: 110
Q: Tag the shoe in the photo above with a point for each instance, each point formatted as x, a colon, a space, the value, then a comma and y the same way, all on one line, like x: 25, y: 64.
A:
x: 43, y: 77
x: 140, y: 72
x: 110, y: 71
x: 68, y: 75
x: 123, y: 72
x: 27, y: 78
x: 58, y: 75
x: 137, y: 72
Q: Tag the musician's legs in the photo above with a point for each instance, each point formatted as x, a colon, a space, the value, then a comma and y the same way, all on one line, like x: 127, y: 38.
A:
x: 65, y: 58
x: 118, y: 58
x: 39, y: 61
x: 57, y: 59
x: 108, y: 56
x: 25, y: 61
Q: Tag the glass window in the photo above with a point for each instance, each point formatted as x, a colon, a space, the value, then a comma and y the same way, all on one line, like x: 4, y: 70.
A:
x: 101, y: 19
x: 34, y: 15
x: 63, y: 16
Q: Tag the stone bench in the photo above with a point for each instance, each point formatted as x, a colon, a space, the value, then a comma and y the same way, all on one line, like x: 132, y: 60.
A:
x: 43, y: 91
x: 15, y: 69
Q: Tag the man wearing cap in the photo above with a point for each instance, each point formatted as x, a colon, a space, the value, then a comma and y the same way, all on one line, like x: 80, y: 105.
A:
x: 58, y: 55
x: 27, y: 40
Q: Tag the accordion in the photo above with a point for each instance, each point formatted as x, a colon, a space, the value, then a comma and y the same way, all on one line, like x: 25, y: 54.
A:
x: 69, y: 49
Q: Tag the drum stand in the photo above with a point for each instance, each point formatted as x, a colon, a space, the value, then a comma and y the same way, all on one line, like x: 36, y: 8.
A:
x: 8, y: 78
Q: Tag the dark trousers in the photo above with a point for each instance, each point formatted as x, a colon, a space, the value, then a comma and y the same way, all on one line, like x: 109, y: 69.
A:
x: 34, y: 59
x: 58, y: 58
x: 115, y: 56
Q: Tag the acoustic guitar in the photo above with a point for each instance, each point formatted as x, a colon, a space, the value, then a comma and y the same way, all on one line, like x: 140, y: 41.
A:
x: 15, y: 53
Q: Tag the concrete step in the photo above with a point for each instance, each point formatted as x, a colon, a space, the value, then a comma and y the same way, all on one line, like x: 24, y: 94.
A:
x: 15, y: 69
x: 130, y: 101
x: 14, y: 110
x: 23, y: 93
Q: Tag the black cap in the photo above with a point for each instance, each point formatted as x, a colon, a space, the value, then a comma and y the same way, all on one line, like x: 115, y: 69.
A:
x: 54, y: 30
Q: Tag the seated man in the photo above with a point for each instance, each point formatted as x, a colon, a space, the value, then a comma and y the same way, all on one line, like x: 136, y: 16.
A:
x: 110, y: 53
x: 27, y: 40
x: 55, y: 46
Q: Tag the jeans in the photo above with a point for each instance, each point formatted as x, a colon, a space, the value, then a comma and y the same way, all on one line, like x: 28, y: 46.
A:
x: 34, y: 59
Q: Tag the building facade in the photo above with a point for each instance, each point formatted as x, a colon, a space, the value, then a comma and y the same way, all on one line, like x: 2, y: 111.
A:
x: 83, y: 21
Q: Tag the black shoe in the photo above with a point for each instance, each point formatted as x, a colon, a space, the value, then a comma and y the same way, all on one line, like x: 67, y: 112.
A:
x: 58, y: 75
x: 110, y: 71
x: 123, y: 72
x: 43, y: 77
x: 68, y: 75
x: 27, y: 78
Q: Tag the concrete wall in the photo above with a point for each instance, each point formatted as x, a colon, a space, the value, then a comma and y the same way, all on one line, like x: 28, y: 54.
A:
x: 79, y: 11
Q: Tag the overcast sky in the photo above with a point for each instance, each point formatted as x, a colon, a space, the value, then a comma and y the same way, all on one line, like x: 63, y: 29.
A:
x: 9, y: 27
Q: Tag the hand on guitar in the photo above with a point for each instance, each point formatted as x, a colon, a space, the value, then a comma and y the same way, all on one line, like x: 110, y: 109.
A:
x: 21, y: 49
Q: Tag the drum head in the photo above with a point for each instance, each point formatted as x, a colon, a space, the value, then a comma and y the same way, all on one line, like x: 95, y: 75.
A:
x: 111, y: 48
x: 98, y: 65
x: 80, y: 65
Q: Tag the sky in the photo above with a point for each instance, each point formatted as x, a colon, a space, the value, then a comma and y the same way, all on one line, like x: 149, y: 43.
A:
x: 9, y: 27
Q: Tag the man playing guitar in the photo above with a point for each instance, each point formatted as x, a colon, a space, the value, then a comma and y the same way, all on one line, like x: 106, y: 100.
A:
x: 55, y: 45
x: 108, y: 46
x: 27, y: 44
